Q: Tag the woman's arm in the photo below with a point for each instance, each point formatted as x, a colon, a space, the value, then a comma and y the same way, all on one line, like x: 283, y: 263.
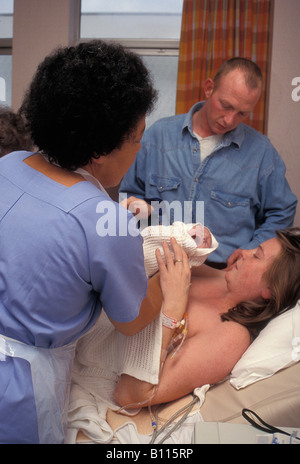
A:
x: 168, y: 288
x: 206, y: 358
x: 175, y: 278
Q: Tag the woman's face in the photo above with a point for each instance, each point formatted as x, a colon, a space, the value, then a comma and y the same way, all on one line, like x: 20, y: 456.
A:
x: 111, y: 168
x: 245, y: 278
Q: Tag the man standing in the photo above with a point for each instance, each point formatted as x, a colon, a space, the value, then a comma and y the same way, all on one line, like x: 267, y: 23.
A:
x: 209, y: 156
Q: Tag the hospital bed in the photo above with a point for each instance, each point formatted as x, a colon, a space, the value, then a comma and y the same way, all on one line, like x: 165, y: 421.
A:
x: 265, y: 380
x: 276, y: 400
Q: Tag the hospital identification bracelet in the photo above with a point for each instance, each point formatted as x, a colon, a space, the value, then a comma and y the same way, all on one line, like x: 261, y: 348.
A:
x: 171, y: 323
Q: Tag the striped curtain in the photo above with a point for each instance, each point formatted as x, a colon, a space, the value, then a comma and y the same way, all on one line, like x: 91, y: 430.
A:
x: 213, y: 31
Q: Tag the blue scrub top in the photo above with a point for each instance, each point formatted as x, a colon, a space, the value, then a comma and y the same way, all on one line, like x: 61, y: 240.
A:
x: 66, y: 252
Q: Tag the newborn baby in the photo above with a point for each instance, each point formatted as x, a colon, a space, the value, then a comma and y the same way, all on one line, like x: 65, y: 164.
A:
x: 201, y: 235
x: 196, y: 240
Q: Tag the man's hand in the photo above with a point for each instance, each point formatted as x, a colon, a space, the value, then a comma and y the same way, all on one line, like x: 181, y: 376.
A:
x: 233, y: 258
x: 137, y: 206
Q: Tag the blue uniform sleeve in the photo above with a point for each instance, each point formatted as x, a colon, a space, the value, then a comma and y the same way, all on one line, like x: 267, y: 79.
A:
x: 116, y: 261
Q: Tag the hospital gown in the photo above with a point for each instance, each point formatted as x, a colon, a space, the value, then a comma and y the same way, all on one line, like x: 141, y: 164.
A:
x: 66, y: 252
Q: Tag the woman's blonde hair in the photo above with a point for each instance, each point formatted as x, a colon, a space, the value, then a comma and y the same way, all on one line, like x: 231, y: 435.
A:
x: 283, y: 280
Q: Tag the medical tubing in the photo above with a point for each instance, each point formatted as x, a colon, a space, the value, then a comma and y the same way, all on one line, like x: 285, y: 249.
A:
x: 170, y: 347
x: 185, y: 409
x: 182, y: 335
x: 146, y: 402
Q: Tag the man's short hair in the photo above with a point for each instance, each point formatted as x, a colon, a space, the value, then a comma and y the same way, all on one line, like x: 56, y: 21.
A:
x: 252, y: 72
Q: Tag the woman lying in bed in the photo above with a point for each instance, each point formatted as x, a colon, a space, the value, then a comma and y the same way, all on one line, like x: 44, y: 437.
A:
x: 225, y: 311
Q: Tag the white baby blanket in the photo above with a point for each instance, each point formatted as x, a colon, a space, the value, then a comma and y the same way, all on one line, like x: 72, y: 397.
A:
x: 154, y: 236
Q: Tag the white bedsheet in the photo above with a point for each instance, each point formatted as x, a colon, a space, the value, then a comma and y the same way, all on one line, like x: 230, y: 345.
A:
x: 88, y: 414
x: 102, y: 355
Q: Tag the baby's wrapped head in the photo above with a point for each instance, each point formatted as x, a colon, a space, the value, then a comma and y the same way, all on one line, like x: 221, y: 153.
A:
x: 201, y: 235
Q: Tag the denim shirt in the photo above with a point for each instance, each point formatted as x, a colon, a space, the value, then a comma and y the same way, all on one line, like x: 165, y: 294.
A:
x: 239, y: 191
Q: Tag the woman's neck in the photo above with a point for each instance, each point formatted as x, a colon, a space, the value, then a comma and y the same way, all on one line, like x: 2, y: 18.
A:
x: 54, y: 172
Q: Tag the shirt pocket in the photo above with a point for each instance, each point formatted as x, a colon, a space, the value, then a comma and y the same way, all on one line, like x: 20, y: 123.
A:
x: 229, y: 200
x: 164, y: 184
x: 233, y: 212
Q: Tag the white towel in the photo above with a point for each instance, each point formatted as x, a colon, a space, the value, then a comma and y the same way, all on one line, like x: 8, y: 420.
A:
x: 154, y: 236
x: 102, y: 356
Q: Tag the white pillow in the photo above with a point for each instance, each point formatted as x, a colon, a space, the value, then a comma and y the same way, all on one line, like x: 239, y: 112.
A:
x: 276, y: 347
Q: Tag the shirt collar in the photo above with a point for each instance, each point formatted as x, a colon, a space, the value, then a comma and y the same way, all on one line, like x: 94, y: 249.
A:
x: 235, y: 136
x: 188, y: 120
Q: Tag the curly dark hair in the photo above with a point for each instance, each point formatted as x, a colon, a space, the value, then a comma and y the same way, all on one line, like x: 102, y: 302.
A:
x: 85, y: 101
x: 13, y: 132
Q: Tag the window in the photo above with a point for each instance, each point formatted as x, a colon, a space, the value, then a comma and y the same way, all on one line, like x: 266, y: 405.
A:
x: 151, y: 29
x: 6, y: 34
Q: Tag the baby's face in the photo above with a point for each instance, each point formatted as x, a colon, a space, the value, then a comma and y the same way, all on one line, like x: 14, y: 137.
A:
x: 202, y: 236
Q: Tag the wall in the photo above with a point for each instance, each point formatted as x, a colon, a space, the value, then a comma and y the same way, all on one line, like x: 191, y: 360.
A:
x: 284, y: 113
x: 39, y: 27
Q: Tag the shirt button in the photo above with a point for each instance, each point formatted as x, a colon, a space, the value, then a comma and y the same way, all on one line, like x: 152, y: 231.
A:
x: 229, y: 204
